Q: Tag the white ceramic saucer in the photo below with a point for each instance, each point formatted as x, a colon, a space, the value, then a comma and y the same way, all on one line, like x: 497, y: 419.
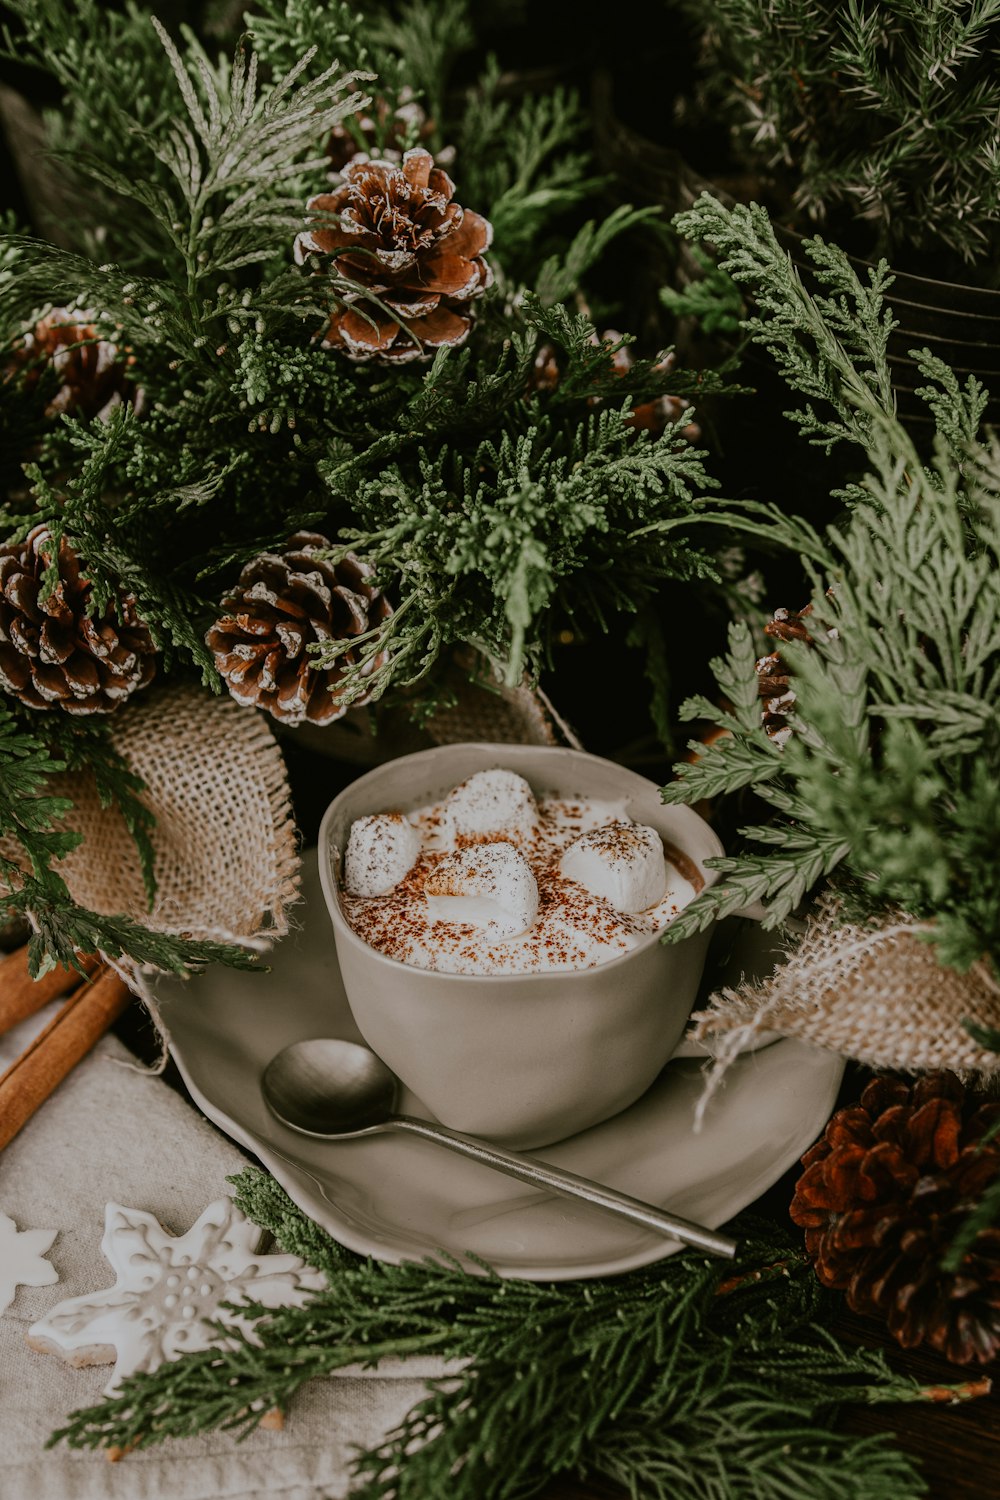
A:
x: 398, y: 1198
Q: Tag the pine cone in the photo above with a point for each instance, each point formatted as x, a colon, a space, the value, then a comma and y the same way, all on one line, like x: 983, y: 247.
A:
x: 53, y: 653
x: 92, y: 373
x: 786, y: 625
x: 774, y: 683
x: 281, y: 605
x: 407, y: 121
x: 884, y: 1194
x: 397, y: 234
x: 652, y: 416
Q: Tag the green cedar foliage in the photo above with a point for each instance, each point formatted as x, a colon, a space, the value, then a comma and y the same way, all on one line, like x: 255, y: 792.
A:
x: 884, y: 108
x: 249, y: 429
x: 688, y: 1379
x: 492, y: 510
x: 893, y: 769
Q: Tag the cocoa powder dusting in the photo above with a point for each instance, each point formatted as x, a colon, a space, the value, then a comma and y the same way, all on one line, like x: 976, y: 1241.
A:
x: 573, y: 929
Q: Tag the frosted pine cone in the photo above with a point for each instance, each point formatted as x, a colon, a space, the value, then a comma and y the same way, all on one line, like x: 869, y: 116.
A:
x: 883, y: 1196
x: 92, y: 372
x: 281, y: 605
x: 414, y: 255
x: 663, y: 411
x: 53, y: 652
x: 774, y: 681
x: 787, y: 625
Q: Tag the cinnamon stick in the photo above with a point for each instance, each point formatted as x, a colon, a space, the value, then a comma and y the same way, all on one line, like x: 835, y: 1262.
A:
x: 81, y: 1023
x: 21, y: 996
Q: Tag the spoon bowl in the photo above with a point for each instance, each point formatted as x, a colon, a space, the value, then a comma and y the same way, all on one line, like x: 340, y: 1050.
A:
x: 328, y: 1088
x: 331, y: 1089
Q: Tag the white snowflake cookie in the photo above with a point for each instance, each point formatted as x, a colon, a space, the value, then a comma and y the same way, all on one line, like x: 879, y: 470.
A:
x: 22, y: 1259
x: 166, y: 1287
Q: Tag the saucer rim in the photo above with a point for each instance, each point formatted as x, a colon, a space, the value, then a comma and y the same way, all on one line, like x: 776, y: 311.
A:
x: 321, y: 1213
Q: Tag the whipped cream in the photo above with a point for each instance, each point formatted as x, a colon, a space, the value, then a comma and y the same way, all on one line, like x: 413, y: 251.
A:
x: 553, y: 890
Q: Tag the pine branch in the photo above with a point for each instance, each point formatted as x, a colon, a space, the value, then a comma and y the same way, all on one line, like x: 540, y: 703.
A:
x: 63, y: 929
x: 829, y: 346
x: 865, y: 111
x: 894, y: 757
x: 491, y: 538
x: 28, y: 812
x: 687, y: 1361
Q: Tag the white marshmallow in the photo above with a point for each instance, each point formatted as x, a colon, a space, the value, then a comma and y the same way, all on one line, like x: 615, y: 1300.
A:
x: 623, y: 862
x: 491, y: 802
x: 487, y: 885
x: 381, y: 852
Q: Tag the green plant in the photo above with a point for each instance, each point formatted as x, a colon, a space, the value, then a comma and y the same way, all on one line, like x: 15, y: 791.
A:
x: 892, y: 769
x: 682, y: 1380
x: 883, y: 109
x: 491, y: 508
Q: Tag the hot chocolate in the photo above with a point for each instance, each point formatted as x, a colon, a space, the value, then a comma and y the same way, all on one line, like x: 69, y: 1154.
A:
x: 492, y: 880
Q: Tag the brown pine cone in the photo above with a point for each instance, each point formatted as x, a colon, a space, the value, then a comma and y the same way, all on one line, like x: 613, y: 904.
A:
x: 282, y: 604
x: 774, y: 685
x: 884, y: 1194
x: 786, y: 625
x: 652, y: 416
x: 53, y: 653
x: 774, y: 682
x: 92, y: 372
x: 396, y: 233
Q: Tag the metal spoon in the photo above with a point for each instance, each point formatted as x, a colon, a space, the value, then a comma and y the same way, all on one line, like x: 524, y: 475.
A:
x: 336, y: 1090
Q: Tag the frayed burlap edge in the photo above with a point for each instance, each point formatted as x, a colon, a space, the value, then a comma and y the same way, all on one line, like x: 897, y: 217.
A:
x: 226, y: 855
x: 877, y: 995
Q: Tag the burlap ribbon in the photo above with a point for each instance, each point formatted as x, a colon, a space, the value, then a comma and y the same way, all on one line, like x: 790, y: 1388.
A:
x: 878, y: 995
x: 226, y: 863
x: 486, y: 709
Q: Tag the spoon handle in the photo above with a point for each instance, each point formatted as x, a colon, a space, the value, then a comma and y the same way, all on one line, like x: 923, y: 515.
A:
x: 568, y: 1185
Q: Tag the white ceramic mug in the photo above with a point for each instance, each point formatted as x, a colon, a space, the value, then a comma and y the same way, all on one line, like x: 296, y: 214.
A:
x: 524, y: 1059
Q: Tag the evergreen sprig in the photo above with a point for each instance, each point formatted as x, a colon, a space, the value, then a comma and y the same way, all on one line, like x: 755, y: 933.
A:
x: 894, y: 761
x: 584, y: 512
x: 493, y: 510
x: 684, y: 1380
x: 893, y: 766
x: 829, y: 345
x: 886, y: 109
